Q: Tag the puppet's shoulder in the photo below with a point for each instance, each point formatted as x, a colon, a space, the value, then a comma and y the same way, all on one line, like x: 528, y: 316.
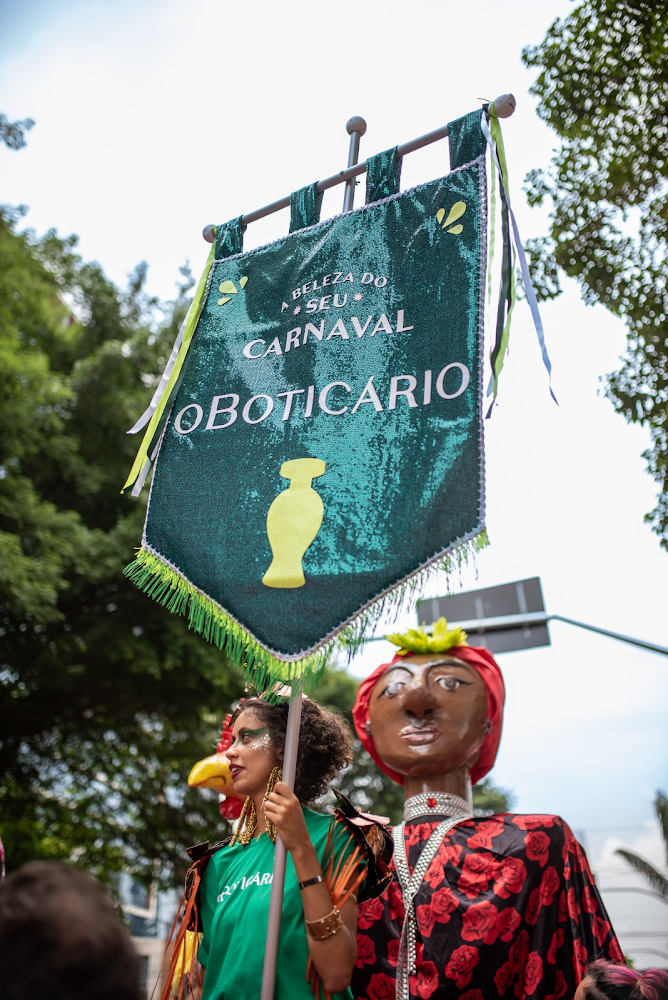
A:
x: 517, y: 834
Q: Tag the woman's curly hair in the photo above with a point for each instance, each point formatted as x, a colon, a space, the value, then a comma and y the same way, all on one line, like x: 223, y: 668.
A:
x: 325, y: 742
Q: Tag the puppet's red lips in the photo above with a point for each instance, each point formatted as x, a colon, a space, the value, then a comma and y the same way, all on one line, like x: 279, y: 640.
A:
x: 417, y: 737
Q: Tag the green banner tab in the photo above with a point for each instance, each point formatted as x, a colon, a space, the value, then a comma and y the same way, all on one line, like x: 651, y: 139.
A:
x: 325, y: 444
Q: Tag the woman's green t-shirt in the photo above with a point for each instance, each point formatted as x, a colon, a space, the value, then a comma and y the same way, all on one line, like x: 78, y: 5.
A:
x: 234, y: 906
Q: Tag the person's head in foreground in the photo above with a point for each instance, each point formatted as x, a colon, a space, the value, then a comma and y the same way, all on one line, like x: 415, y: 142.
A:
x: 605, y: 981
x: 434, y: 712
x: 61, y: 938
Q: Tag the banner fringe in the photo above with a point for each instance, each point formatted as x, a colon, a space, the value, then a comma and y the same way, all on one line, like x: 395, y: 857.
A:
x: 262, y: 669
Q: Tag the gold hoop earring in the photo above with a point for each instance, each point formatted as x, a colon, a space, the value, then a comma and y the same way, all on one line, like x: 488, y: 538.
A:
x: 275, y: 776
x: 246, y: 825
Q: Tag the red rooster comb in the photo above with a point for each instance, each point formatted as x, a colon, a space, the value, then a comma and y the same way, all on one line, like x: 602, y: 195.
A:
x: 228, y: 807
x: 225, y: 741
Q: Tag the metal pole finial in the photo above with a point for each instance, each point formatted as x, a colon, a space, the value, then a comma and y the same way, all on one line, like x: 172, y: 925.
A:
x: 504, y: 106
x: 356, y: 124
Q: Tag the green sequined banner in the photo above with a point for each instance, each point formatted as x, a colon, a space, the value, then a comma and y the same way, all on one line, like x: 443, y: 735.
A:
x: 325, y: 443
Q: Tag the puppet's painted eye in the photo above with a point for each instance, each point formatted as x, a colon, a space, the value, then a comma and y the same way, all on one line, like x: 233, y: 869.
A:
x: 393, y: 689
x: 449, y: 682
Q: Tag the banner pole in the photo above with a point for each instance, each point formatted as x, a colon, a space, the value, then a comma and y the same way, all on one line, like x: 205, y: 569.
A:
x: 355, y: 127
x: 504, y: 106
x: 280, y: 856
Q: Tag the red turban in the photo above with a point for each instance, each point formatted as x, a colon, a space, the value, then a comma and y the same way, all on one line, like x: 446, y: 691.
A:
x: 479, y: 658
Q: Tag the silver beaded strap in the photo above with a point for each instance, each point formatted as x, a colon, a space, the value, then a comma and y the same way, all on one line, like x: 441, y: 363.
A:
x: 410, y: 885
x: 435, y: 804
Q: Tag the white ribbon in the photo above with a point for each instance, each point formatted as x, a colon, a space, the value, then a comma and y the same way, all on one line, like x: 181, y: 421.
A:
x: 524, y: 267
x: 157, y: 395
x: 141, y: 478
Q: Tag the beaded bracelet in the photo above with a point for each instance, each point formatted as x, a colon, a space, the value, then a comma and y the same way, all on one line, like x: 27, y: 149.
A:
x: 324, y: 928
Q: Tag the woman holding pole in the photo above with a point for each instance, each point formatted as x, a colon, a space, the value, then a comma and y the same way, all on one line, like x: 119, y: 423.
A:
x: 330, y: 861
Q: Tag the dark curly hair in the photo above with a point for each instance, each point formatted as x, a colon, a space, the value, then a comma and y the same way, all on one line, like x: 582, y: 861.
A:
x: 325, y: 742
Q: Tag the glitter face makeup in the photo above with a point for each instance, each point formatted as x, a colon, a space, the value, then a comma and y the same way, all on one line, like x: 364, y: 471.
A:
x: 258, y: 739
x: 252, y: 755
x: 254, y: 739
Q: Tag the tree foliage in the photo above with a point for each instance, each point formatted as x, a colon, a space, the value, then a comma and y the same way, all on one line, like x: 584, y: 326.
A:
x: 602, y: 85
x: 13, y: 133
x: 656, y: 879
x: 105, y: 698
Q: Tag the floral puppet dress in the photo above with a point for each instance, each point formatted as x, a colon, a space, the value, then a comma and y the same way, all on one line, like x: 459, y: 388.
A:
x: 508, y: 907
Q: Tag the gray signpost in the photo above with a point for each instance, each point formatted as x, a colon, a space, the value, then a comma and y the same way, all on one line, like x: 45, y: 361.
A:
x: 499, y: 618
x: 510, y: 617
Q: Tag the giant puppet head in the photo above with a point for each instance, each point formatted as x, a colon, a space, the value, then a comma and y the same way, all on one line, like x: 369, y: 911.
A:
x: 436, y: 708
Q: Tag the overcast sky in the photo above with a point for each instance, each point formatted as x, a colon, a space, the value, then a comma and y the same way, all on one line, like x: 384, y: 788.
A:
x: 155, y: 117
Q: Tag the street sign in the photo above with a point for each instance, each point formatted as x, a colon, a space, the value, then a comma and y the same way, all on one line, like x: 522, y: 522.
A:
x: 502, y: 619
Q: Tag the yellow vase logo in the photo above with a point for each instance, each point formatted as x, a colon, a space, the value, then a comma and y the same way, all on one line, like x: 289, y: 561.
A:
x: 293, y: 521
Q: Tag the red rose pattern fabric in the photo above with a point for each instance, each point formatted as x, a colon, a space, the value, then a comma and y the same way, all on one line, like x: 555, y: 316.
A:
x: 508, y: 908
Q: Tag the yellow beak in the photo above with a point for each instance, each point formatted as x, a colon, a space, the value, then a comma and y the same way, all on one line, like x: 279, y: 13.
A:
x: 212, y: 772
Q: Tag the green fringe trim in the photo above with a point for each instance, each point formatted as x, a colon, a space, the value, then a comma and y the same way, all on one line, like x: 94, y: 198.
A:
x: 262, y: 669
x: 397, y: 600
